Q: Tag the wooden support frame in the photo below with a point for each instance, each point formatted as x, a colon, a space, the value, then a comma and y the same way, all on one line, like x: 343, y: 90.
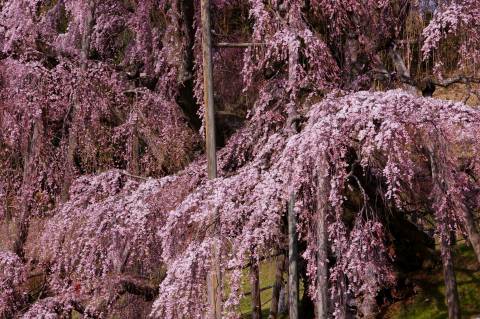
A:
x: 214, y: 276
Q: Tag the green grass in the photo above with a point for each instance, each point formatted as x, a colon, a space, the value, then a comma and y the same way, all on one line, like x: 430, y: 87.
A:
x: 428, y: 303
x: 267, y: 278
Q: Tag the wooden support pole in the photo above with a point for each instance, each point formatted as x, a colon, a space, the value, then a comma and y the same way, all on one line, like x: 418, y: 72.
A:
x: 277, y: 287
x: 208, y: 91
x: 323, y: 190
x: 255, y: 283
x: 451, y: 293
x: 213, y: 278
x: 292, y: 216
x: 292, y: 260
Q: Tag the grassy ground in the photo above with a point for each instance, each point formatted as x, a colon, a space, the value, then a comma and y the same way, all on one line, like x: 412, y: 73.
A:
x: 428, y: 303
x: 267, y: 278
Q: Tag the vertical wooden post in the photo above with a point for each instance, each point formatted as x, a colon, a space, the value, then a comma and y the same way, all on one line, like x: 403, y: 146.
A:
x: 473, y: 235
x: 451, y: 293
x: 292, y: 217
x: 292, y: 260
x: 277, y: 287
x: 321, y: 304
x: 255, y: 283
x: 208, y: 90
x: 213, y: 280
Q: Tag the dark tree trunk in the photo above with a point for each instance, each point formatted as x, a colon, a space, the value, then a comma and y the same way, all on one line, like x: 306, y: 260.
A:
x: 292, y: 217
x: 69, y: 161
x: 186, y: 33
x: 283, y: 301
x: 30, y: 155
x: 133, y: 164
x: 214, y: 276
x: 449, y: 276
x: 472, y: 231
x: 72, y: 133
x: 321, y: 304
x: 255, y: 283
x: 292, y: 260
x: 440, y: 186
x: 277, y: 287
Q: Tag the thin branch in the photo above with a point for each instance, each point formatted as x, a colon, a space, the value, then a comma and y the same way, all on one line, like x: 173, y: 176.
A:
x: 460, y: 79
x: 260, y: 259
x: 239, y: 45
x: 123, y: 172
x: 137, y: 287
x: 248, y: 293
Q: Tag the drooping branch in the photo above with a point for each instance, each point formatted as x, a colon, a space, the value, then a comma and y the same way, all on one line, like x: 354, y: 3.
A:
x: 239, y: 44
x: 137, y: 287
x: 323, y: 190
x: 31, y: 154
x: 455, y: 80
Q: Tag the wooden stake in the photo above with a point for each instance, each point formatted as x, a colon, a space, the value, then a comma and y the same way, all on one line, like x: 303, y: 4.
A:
x: 292, y: 260
x: 255, y: 283
x: 277, y: 287
x: 321, y: 304
x: 292, y: 216
x: 213, y: 280
x: 451, y: 293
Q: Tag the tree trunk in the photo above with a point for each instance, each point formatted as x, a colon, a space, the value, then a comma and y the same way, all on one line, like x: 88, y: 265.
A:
x: 255, y: 283
x: 321, y: 304
x: 472, y: 231
x: 72, y: 133
x: 445, y: 245
x: 277, y: 287
x: 292, y: 260
x: 292, y: 217
x: 30, y: 154
x: 133, y: 165
x: 214, y: 277
x: 401, y: 69
x: 86, y: 36
x: 449, y: 276
x: 69, y: 162
x: 283, y: 300
x: 214, y: 288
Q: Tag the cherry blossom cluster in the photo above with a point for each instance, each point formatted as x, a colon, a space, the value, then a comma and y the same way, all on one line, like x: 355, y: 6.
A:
x: 455, y: 18
x: 386, y: 137
x: 89, y: 106
x: 12, y: 275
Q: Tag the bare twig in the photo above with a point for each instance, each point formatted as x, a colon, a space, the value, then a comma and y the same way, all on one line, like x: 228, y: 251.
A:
x: 123, y: 172
x: 459, y: 79
x: 239, y: 45
x: 137, y: 287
